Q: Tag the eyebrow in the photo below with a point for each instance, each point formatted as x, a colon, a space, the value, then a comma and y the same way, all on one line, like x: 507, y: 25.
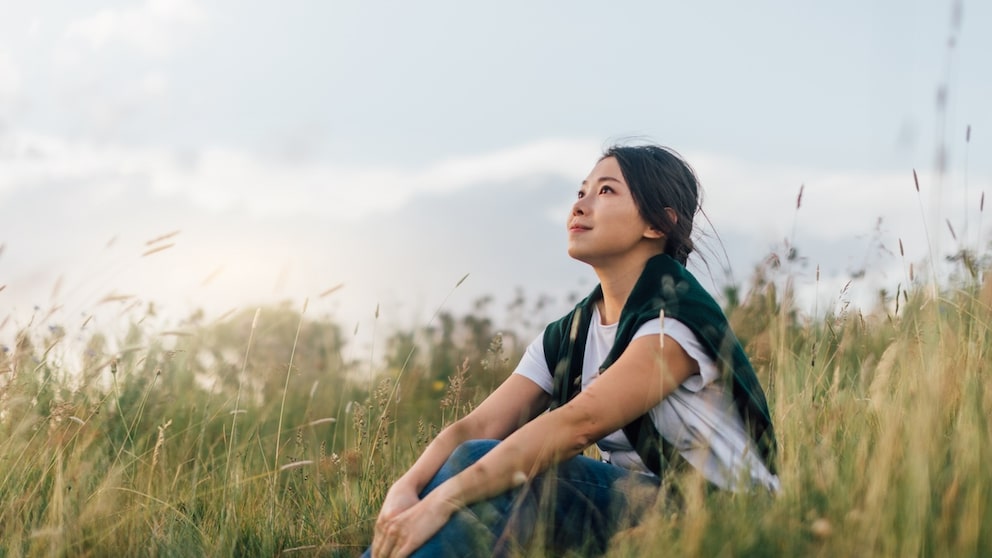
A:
x: 604, y: 179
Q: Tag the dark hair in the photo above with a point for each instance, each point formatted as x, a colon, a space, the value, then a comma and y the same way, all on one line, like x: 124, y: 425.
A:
x: 658, y: 178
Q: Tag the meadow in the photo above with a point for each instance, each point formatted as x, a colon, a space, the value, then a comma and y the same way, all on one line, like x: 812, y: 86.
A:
x: 260, y: 434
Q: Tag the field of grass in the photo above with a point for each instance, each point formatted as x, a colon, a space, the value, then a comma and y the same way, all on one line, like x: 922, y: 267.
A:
x: 255, y: 436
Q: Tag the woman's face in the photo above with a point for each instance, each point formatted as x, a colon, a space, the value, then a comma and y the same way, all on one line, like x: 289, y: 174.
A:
x: 604, y: 224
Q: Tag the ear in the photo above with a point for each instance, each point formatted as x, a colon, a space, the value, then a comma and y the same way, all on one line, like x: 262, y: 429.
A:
x: 654, y: 233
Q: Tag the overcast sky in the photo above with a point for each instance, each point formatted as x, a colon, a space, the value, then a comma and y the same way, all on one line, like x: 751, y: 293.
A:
x: 394, y: 147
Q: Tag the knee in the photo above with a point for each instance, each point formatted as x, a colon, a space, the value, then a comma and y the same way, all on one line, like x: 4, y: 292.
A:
x: 460, y: 459
x: 470, y: 451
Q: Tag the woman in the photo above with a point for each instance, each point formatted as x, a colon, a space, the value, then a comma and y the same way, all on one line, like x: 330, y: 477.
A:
x: 646, y: 367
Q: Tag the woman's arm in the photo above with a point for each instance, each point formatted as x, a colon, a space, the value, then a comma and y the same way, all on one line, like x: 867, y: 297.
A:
x: 635, y: 384
x: 643, y: 376
x: 514, y: 403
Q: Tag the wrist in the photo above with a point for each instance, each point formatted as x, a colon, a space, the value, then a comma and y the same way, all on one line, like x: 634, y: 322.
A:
x: 445, y: 499
x: 405, y: 484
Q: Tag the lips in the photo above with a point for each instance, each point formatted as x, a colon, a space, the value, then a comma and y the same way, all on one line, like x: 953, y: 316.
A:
x: 577, y: 227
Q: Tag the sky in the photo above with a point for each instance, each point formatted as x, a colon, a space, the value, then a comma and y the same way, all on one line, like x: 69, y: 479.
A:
x: 392, y: 148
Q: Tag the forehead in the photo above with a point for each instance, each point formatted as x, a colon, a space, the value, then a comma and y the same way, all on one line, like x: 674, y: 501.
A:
x: 608, y: 167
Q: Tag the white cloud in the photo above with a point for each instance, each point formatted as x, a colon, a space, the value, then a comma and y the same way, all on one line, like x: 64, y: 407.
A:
x: 10, y: 79
x: 34, y: 27
x: 225, y: 178
x: 738, y: 196
x: 154, y: 84
x: 155, y: 28
x: 315, y: 228
x: 838, y: 205
x: 221, y: 178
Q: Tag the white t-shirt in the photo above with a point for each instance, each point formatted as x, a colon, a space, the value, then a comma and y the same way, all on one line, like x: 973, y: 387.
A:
x: 699, y: 418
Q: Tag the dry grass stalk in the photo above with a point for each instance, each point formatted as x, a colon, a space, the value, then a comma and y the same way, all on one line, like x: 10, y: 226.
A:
x: 158, y: 239
x: 113, y: 297
x: 985, y: 295
x: 213, y: 275
x: 452, y: 396
x: 295, y: 465
x: 157, y: 249
x: 330, y: 290
x: 159, y: 442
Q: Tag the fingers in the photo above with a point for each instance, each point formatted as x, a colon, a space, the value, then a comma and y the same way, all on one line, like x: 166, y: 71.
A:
x: 398, y: 535
x: 384, y: 541
x: 380, y: 548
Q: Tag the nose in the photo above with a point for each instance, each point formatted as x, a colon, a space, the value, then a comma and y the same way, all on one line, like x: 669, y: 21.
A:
x: 578, y: 208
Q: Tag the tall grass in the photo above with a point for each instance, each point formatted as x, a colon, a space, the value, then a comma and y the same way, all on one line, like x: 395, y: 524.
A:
x: 255, y: 436
x: 883, y: 422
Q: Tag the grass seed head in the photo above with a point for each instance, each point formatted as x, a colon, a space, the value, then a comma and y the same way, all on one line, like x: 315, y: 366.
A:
x: 159, y: 442
x: 821, y: 528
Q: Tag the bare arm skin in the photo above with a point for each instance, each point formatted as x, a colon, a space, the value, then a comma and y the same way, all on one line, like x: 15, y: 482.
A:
x: 643, y: 375
x: 514, y: 403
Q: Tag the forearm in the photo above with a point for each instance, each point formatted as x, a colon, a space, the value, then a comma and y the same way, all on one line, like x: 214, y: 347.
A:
x: 434, y: 456
x: 520, y: 457
x: 515, y: 402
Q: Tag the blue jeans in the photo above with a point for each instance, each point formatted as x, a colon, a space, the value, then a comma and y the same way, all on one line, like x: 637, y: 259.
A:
x: 577, y: 505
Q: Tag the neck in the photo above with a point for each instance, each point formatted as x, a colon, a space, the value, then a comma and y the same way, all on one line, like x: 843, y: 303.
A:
x: 617, y: 280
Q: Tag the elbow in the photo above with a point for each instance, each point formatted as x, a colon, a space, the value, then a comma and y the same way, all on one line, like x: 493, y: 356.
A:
x: 460, y: 431
x: 470, y: 427
x: 583, y: 433
x: 579, y: 444
x: 580, y: 430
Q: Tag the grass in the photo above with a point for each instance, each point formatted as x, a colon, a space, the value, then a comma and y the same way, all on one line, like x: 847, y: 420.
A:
x: 255, y: 436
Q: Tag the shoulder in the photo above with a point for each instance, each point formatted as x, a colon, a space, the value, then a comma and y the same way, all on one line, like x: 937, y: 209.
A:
x: 690, y: 343
x: 534, y: 366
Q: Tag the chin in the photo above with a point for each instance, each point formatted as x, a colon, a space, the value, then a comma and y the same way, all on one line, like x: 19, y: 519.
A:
x: 578, y: 255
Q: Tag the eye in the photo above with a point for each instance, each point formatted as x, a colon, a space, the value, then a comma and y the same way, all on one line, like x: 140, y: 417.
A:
x: 579, y: 194
x: 605, y: 189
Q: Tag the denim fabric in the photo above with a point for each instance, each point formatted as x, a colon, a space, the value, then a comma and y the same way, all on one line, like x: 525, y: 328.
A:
x: 577, y: 505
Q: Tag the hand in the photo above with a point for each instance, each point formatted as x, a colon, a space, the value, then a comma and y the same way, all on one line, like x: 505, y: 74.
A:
x: 400, y: 497
x: 401, y: 534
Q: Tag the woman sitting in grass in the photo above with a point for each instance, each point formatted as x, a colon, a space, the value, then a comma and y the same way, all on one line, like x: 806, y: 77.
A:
x: 646, y: 367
